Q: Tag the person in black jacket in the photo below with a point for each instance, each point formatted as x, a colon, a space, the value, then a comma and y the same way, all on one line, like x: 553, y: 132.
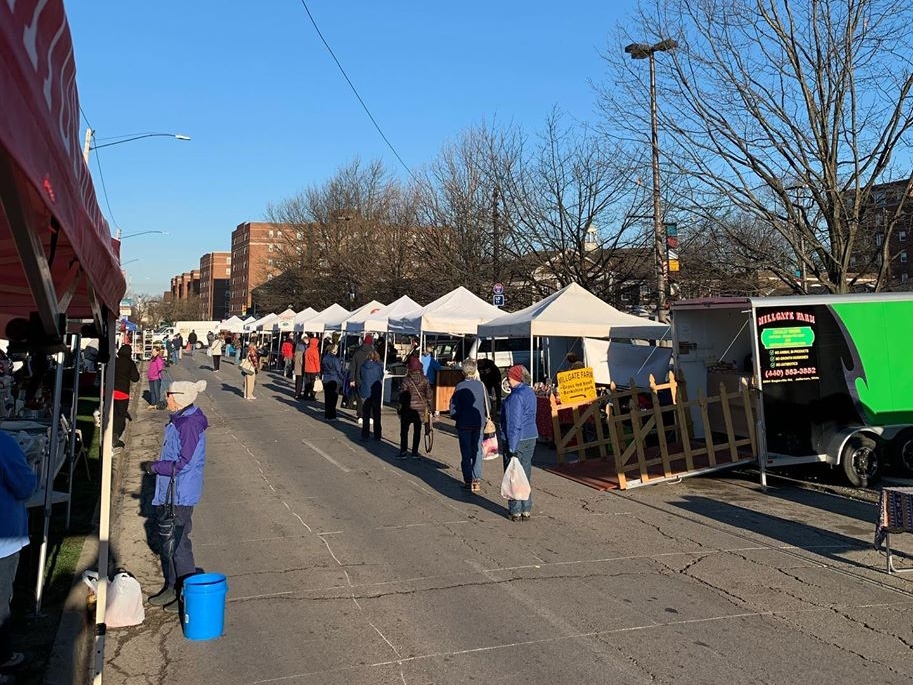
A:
x: 125, y: 373
x: 191, y: 342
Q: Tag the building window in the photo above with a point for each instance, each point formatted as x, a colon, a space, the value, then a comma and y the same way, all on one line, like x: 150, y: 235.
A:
x: 270, y: 233
x: 879, y: 239
x: 902, y: 236
x: 903, y: 257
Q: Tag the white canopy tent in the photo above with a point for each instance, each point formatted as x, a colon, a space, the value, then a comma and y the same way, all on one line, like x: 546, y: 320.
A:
x: 283, y: 322
x: 361, y: 313
x: 573, y: 312
x: 459, y: 312
x: 233, y: 324
x: 327, y: 319
x: 377, y: 320
x: 265, y: 323
x: 301, y: 317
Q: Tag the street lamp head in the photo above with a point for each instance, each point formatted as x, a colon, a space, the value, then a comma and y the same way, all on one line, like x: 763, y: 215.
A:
x: 643, y: 51
x: 181, y: 136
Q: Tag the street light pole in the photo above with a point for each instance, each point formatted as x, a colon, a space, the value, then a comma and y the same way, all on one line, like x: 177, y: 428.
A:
x: 90, y: 134
x: 660, y: 263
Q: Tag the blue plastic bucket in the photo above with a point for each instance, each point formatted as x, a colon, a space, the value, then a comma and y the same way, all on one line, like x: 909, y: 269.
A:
x: 204, y: 605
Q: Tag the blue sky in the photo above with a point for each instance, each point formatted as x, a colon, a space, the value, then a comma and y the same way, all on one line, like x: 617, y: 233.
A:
x: 270, y: 115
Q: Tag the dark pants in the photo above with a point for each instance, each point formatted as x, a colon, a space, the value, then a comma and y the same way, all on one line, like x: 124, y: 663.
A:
x: 120, y: 417
x: 470, y: 440
x: 309, y: 379
x: 155, y: 391
x: 410, y: 417
x: 181, y: 564
x: 370, y: 409
x: 330, y: 396
x: 216, y: 361
x: 299, y: 381
x: 8, y: 567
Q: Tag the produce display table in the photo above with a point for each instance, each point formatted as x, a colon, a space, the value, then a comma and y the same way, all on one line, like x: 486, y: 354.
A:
x: 895, y: 515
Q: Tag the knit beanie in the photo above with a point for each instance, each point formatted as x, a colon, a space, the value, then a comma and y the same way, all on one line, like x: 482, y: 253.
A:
x: 415, y: 364
x: 516, y: 372
x: 185, y: 393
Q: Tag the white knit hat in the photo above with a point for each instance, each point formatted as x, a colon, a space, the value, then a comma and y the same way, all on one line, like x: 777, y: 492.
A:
x: 185, y: 393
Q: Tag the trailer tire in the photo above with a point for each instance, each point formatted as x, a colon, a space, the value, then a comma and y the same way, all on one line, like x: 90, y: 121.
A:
x: 902, y: 451
x: 861, y: 461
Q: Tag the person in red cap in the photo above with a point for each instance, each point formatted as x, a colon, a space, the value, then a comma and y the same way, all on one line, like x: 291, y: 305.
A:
x: 519, y: 433
x: 415, y: 404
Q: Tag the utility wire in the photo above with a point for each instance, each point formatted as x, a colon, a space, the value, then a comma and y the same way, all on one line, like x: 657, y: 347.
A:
x: 101, y: 175
x: 355, y: 90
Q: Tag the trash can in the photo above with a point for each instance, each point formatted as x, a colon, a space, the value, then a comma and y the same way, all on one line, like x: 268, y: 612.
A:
x: 204, y: 605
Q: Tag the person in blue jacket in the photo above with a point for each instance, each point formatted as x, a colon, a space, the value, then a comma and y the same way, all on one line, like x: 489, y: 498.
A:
x: 17, y: 483
x: 370, y: 389
x: 333, y: 378
x: 519, y: 433
x: 183, y: 456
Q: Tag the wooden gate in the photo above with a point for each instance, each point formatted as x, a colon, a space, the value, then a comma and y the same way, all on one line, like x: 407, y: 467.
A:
x: 635, y: 436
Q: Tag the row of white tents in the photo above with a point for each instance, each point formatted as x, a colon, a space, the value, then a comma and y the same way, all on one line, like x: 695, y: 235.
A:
x: 570, y: 312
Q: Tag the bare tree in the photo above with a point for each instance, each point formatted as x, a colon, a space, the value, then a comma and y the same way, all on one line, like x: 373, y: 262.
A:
x: 787, y: 111
x: 572, y: 207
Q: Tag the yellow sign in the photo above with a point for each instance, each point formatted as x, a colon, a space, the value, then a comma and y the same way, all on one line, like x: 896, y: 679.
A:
x: 576, y: 386
x: 673, y: 265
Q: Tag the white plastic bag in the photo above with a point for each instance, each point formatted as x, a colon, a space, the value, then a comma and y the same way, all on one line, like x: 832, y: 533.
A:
x: 515, y: 485
x: 124, y: 604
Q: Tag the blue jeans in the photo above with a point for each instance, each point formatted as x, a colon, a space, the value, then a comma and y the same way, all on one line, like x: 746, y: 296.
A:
x: 470, y: 453
x: 155, y: 391
x: 7, y: 576
x: 525, y: 450
x: 181, y: 565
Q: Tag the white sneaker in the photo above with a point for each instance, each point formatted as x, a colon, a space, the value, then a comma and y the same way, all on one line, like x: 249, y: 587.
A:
x: 359, y: 421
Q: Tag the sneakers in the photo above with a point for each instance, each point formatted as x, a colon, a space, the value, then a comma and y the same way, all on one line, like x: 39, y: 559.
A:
x: 525, y: 516
x: 476, y: 486
x: 164, y: 598
x: 402, y: 455
x: 119, y: 444
x: 173, y: 608
x: 359, y: 421
x: 415, y: 455
x: 514, y: 517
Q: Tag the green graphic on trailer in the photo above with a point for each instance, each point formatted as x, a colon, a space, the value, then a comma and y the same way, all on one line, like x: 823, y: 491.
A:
x: 794, y: 336
x: 879, y: 372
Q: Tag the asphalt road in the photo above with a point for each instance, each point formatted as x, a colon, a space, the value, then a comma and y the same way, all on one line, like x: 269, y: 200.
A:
x: 346, y: 565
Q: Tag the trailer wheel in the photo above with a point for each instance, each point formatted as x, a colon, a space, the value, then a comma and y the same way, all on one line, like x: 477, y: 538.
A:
x: 861, y: 462
x: 902, y: 451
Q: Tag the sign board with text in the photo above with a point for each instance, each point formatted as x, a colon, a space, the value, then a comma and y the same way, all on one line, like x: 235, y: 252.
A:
x: 577, y: 385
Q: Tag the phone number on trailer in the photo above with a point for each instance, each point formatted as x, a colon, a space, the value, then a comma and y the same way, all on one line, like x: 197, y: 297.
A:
x: 786, y: 373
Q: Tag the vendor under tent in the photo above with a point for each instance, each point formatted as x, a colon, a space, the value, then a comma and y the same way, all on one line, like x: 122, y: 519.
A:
x: 302, y: 316
x: 459, y: 312
x: 60, y: 262
x: 572, y: 312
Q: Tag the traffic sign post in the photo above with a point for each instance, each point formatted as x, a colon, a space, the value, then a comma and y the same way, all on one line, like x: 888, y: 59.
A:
x: 497, y: 289
x: 497, y: 300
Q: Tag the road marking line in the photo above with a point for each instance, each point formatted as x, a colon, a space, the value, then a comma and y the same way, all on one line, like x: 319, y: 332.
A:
x: 326, y: 456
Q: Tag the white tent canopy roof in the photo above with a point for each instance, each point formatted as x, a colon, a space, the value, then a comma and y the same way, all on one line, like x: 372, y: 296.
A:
x: 459, y: 312
x: 284, y: 320
x: 301, y: 317
x: 329, y: 318
x: 266, y: 323
x: 232, y: 324
x: 573, y: 311
x: 361, y: 313
x: 377, y: 320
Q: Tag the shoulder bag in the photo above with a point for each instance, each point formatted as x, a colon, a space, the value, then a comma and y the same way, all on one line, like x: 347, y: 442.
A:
x: 247, y: 367
x: 490, y: 447
x: 427, y: 420
x: 166, y: 522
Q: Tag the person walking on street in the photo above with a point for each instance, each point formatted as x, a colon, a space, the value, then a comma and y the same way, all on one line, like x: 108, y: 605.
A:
x: 358, y: 359
x: 311, y: 367
x: 215, y: 351
x: 468, y: 407
x: 125, y: 374
x: 332, y: 381
x: 288, y: 355
x: 209, y: 338
x: 430, y: 367
x: 298, y: 365
x: 519, y: 433
x: 250, y: 379
x: 183, y: 457
x: 154, y: 376
x: 169, y: 351
x: 370, y: 389
x: 191, y: 342
x: 17, y: 483
x: 176, y: 348
x: 414, y: 405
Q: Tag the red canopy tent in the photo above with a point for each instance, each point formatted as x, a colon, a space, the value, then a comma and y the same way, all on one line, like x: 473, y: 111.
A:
x: 57, y: 258
x: 56, y: 252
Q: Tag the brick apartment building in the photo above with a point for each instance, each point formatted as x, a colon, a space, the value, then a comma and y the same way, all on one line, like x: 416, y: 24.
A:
x: 215, y: 276
x: 252, y: 244
x: 883, y: 205
x: 186, y: 285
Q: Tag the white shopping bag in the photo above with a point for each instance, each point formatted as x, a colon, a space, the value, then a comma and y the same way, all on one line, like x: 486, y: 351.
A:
x: 515, y: 485
x: 124, y: 604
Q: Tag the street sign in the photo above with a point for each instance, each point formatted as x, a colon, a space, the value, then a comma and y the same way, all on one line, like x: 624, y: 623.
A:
x: 497, y: 289
x: 497, y: 300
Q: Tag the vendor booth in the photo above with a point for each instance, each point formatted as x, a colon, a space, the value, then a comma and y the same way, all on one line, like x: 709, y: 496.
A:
x: 60, y: 263
x: 301, y: 318
x: 328, y: 319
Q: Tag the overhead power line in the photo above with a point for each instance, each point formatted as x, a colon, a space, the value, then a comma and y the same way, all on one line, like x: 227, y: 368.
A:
x: 354, y: 89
